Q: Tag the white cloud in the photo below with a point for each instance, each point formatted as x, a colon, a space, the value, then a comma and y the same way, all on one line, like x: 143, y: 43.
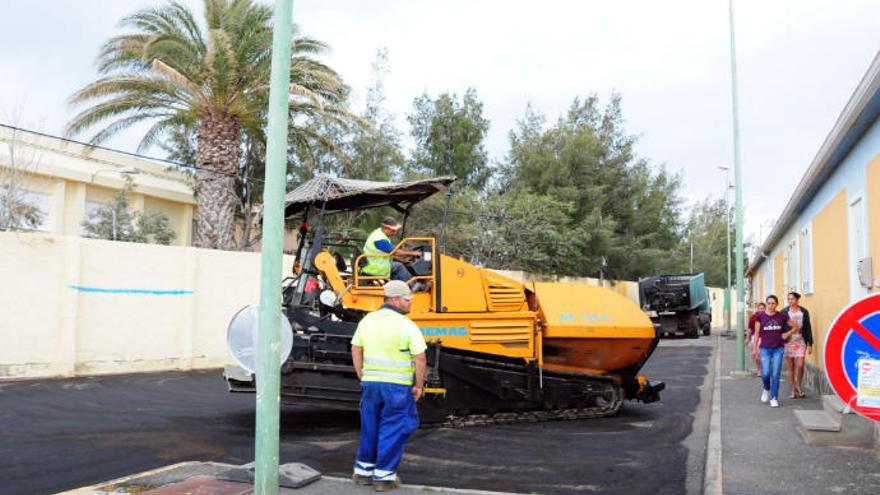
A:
x: 798, y: 63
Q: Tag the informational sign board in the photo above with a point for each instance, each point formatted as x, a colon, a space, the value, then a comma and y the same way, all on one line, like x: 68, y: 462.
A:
x: 868, y: 393
x: 852, y: 356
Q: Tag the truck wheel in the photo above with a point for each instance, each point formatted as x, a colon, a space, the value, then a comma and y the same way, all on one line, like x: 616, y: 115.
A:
x: 707, y: 329
x: 694, y: 334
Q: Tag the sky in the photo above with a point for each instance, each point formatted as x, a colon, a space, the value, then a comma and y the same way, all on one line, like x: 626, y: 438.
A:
x: 798, y: 63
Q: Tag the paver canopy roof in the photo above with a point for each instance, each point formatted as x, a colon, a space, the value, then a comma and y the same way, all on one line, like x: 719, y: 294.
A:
x: 350, y: 194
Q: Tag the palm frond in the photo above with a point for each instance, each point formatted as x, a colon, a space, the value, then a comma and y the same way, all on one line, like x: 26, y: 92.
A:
x: 173, y: 68
x: 183, y: 83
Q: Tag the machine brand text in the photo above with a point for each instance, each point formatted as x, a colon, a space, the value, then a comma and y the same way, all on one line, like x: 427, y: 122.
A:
x: 444, y: 331
x: 584, y: 317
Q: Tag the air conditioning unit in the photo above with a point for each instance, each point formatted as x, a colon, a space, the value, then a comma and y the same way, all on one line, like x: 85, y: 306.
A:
x: 865, y: 269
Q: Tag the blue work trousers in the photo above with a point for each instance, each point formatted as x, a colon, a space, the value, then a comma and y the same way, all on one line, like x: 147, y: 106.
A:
x: 388, y: 417
x: 771, y: 369
x: 400, y: 272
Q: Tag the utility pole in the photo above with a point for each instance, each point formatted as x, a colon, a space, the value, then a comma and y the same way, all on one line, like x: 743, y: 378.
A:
x: 269, y: 333
x: 737, y: 177
x: 692, y: 251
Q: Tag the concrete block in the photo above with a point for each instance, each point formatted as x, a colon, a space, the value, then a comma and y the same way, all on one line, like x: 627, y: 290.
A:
x: 295, y: 475
x: 850, y: 421
x: 290, y: 475
x: 833, y: 405
x: 237, y: 373
x: 821, y: 429
x: 816, y: 420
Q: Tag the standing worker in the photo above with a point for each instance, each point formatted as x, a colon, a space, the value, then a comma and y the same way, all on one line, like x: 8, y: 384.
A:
x: 387, y: 350
x: 379, y: 244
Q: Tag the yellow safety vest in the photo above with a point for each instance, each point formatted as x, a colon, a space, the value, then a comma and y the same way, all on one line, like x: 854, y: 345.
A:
x: 389, y: 340
x: 377, y: 266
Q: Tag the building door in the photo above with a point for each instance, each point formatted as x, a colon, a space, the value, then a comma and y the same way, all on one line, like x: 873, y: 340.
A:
x: 858, y: 245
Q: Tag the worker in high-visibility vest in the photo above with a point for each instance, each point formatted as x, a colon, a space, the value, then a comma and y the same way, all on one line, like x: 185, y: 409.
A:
x: 379, y: 243
x: 388, y: 352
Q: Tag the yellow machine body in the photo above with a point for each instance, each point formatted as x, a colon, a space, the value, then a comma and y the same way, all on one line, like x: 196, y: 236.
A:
x: 566, y: 327
x: 497, y: 347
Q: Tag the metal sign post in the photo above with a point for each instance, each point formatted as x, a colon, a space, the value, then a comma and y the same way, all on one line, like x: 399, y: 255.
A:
x: 268, y: 340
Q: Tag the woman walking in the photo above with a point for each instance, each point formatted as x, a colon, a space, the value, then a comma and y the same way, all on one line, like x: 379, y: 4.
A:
x: 751, y: 343
x: 770, y: 335
x: 799, y: 344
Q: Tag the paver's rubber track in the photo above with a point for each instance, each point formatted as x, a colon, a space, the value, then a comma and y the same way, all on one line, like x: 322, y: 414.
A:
x: 507, y: 418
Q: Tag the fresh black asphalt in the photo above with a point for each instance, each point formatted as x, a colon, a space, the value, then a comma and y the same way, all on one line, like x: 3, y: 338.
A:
x: 61, y: 434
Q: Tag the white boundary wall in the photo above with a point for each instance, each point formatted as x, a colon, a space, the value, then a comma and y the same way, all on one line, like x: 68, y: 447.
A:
x: 73, y: 306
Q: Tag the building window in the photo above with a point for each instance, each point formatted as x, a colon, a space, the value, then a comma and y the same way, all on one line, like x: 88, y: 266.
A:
x: 765, y: 283
x: 40, y: 201
x: 91, y: 208
x: 786, y: 276
x: 790, y: 267
x: 807, y: 260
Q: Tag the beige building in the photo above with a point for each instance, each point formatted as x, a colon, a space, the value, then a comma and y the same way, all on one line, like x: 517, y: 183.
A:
x: 67, y: 180
x: 826, y: 243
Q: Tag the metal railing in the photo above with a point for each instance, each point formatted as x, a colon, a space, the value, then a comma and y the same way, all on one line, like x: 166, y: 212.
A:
x: 357, y: 278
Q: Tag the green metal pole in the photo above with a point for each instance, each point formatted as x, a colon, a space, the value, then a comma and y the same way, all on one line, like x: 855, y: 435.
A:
x: 269, y: 338
x: 737, y: 173
x: 727, y: 254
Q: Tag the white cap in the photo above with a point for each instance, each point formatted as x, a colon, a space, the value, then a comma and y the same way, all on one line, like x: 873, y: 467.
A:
x: 397, y: 288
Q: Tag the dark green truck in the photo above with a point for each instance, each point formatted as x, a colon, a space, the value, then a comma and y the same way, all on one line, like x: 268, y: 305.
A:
x: 677, y: 303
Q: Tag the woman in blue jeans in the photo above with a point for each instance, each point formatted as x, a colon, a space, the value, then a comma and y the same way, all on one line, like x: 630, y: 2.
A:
x: 770, y: 334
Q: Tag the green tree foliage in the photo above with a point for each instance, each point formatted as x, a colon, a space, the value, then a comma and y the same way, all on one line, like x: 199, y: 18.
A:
x: 371, y: 150
x: 622, y: 216
x: 448, y: 132
x: 705, y: 228
x: 376, y: 152
x: 116, y: 221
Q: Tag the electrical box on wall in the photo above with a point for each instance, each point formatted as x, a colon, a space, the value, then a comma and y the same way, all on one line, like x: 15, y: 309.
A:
x: 865, y: 269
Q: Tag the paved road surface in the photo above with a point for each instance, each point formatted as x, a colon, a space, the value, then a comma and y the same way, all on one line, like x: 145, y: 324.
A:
x: 60, y: 434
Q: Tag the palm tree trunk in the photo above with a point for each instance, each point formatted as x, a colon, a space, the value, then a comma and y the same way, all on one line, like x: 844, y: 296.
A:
x: 217, y: 156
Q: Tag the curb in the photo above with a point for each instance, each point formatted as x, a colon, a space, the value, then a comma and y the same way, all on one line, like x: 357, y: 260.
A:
x: 713, y: 482
x: 100, y: 488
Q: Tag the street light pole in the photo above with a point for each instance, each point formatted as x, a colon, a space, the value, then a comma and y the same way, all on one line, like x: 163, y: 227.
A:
x: 125, y: 172
x: 726, y: 170
x: 737, y: 177
x: 269, y: 333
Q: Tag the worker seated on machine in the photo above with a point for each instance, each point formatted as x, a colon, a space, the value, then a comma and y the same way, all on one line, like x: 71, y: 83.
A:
x: 379, y: 243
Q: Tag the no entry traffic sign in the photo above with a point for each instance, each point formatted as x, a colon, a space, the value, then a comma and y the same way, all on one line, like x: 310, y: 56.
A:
x: 852, y: 356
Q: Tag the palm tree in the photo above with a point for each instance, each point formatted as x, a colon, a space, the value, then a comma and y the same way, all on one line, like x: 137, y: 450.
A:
x: 209, y: 80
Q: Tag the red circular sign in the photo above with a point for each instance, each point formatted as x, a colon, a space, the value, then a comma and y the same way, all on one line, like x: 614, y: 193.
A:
x: 853, y: 337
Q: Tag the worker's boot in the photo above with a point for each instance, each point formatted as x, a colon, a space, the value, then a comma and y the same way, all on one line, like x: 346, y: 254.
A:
x: 361, y: 480
x: 386, y: 486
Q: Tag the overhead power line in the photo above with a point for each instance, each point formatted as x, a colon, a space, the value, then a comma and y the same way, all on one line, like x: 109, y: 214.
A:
x: 129, y: 153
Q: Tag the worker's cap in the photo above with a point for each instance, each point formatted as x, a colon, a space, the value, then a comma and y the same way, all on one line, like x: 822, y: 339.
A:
x: 391, y: 223
x: 397, y: 288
